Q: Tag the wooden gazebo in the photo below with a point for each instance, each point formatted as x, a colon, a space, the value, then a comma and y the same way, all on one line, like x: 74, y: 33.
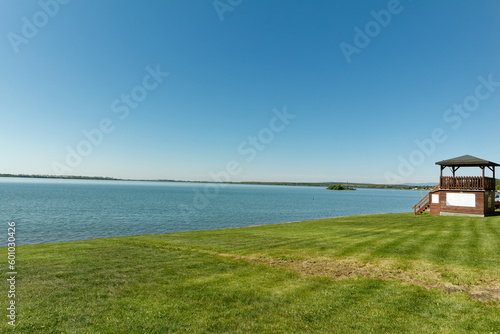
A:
x: 462, y: 195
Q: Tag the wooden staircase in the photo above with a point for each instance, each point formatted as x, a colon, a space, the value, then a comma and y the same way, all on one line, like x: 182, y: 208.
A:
x: 424, y: 203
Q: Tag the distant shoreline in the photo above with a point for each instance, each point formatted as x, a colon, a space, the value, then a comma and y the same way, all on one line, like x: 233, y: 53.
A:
x: 303, y: 184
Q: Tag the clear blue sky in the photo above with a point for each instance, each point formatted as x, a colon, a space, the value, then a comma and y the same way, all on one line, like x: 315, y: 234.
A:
x: 360, y: 100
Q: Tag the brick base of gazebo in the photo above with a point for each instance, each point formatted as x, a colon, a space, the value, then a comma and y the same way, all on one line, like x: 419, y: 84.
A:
x: 462, y: 203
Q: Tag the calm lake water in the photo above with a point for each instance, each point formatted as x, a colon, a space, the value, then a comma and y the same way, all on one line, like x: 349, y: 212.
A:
x: 47, y: 210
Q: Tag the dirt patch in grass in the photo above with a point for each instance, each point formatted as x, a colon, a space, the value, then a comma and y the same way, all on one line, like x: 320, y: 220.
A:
x: 486, y: 289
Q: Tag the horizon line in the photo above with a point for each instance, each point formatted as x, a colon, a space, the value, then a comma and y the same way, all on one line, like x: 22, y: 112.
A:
x: 107, y: 178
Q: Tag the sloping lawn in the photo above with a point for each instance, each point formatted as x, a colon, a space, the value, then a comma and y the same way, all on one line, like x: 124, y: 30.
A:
x: 378, y: 273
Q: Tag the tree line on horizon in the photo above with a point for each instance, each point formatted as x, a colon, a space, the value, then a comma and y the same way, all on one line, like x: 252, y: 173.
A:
x: 303, y: 184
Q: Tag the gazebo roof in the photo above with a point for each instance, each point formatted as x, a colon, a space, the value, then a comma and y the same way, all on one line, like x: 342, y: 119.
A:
x: 466, y: 161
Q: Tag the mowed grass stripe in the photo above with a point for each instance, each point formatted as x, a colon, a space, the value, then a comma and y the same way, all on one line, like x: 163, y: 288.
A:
x: 473, y: 257
x: 391, y: 247
x: 438, y: 247
x: 420, y: 243
x: 492, y: 242
x: 451, y: 244
x: 440, y: 239
x: 364, y: 244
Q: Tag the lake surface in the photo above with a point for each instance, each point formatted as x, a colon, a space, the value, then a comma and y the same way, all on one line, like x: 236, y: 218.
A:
x: 47, y: 210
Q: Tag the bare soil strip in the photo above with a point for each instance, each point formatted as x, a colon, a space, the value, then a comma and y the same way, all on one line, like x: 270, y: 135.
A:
x: 419, y: 273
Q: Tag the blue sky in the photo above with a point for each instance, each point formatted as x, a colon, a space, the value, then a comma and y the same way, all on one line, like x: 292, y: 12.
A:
x: 414, y: 71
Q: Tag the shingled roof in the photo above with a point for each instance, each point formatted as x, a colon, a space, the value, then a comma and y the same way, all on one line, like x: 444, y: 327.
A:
x: 466, y: 161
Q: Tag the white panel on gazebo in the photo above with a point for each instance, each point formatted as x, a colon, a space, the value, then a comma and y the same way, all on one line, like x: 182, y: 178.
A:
x: 461, y: 199
x: 435, y: 198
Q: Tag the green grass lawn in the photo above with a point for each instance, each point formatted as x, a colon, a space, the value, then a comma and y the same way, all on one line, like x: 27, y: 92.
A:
x: 378, y: 273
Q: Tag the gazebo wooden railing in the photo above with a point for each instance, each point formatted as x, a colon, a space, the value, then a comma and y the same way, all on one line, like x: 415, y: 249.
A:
x: 467, y: 183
